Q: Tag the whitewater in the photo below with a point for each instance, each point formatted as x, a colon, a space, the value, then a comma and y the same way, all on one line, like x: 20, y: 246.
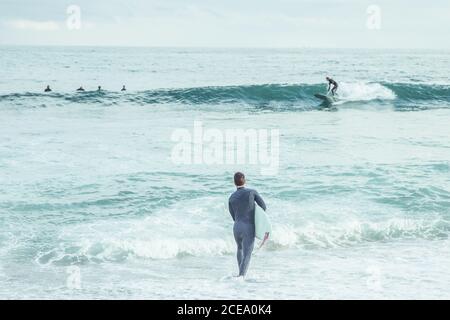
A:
x: 360, y: 204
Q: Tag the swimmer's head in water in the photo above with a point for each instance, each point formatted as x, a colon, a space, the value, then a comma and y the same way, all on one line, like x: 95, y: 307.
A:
x: 239, y: 179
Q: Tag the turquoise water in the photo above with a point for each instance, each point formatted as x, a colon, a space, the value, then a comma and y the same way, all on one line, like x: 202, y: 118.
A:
x: 360, y: 204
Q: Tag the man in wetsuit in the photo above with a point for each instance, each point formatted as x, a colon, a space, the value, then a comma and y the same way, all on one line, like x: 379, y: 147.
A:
x: 242, y: 209
x: 333, y: 83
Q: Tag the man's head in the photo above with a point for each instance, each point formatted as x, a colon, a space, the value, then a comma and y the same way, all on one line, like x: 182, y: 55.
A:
x: 328, y: 78
x: 239, y: 179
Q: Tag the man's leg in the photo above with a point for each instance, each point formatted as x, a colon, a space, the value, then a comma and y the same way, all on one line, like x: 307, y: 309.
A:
x: 239, y: 253
x: 334, y: 90
x: 248, y: 244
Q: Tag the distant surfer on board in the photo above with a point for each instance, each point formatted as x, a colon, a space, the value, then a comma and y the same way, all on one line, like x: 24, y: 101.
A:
x: 242, y: 209
x: 333, y: 83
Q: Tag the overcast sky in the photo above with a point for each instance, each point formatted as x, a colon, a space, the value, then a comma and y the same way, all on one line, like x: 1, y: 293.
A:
x: 230, y: 23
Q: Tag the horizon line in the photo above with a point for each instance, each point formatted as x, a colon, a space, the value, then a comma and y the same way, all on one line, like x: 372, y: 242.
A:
x: 222, y: 47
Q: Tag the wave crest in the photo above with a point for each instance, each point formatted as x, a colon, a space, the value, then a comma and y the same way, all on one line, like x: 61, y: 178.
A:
x: 314, y: 236
x: 285, y: 95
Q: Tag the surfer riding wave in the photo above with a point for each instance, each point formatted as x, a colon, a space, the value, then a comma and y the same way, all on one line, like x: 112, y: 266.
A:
x: 242, y: 209
x: 333, y: 83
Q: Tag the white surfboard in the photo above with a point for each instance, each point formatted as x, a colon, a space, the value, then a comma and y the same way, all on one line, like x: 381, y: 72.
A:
x: 326, y: 98
x: 262, y: 224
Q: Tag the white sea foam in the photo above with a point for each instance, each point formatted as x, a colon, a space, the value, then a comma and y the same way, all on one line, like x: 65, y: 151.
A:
x: 155, y: 238
x: 361, y: 91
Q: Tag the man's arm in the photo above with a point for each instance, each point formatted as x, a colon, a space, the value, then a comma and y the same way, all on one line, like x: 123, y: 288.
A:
x: 230, y: 208
x: 260, y: 201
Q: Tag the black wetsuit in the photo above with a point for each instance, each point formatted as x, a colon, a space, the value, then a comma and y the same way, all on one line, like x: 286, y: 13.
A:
x: 242, y: 209
x: 333, y: 83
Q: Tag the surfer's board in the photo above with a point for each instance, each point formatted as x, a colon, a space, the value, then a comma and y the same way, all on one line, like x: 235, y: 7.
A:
x: 262, y: 224
x: 326, y: 98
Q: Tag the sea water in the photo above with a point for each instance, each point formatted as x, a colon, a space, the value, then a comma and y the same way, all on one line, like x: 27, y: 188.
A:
x: 91, y: 205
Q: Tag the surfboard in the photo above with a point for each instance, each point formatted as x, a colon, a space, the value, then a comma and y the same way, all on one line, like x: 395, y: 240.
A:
x: 262, y: 223
x: 326, y: 98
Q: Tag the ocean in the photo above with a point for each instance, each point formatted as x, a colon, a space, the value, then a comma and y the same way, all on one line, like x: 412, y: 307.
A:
x: 93, y: 206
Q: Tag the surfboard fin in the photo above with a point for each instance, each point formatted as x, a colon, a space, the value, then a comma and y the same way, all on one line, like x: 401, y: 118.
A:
x: 266, y: 236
